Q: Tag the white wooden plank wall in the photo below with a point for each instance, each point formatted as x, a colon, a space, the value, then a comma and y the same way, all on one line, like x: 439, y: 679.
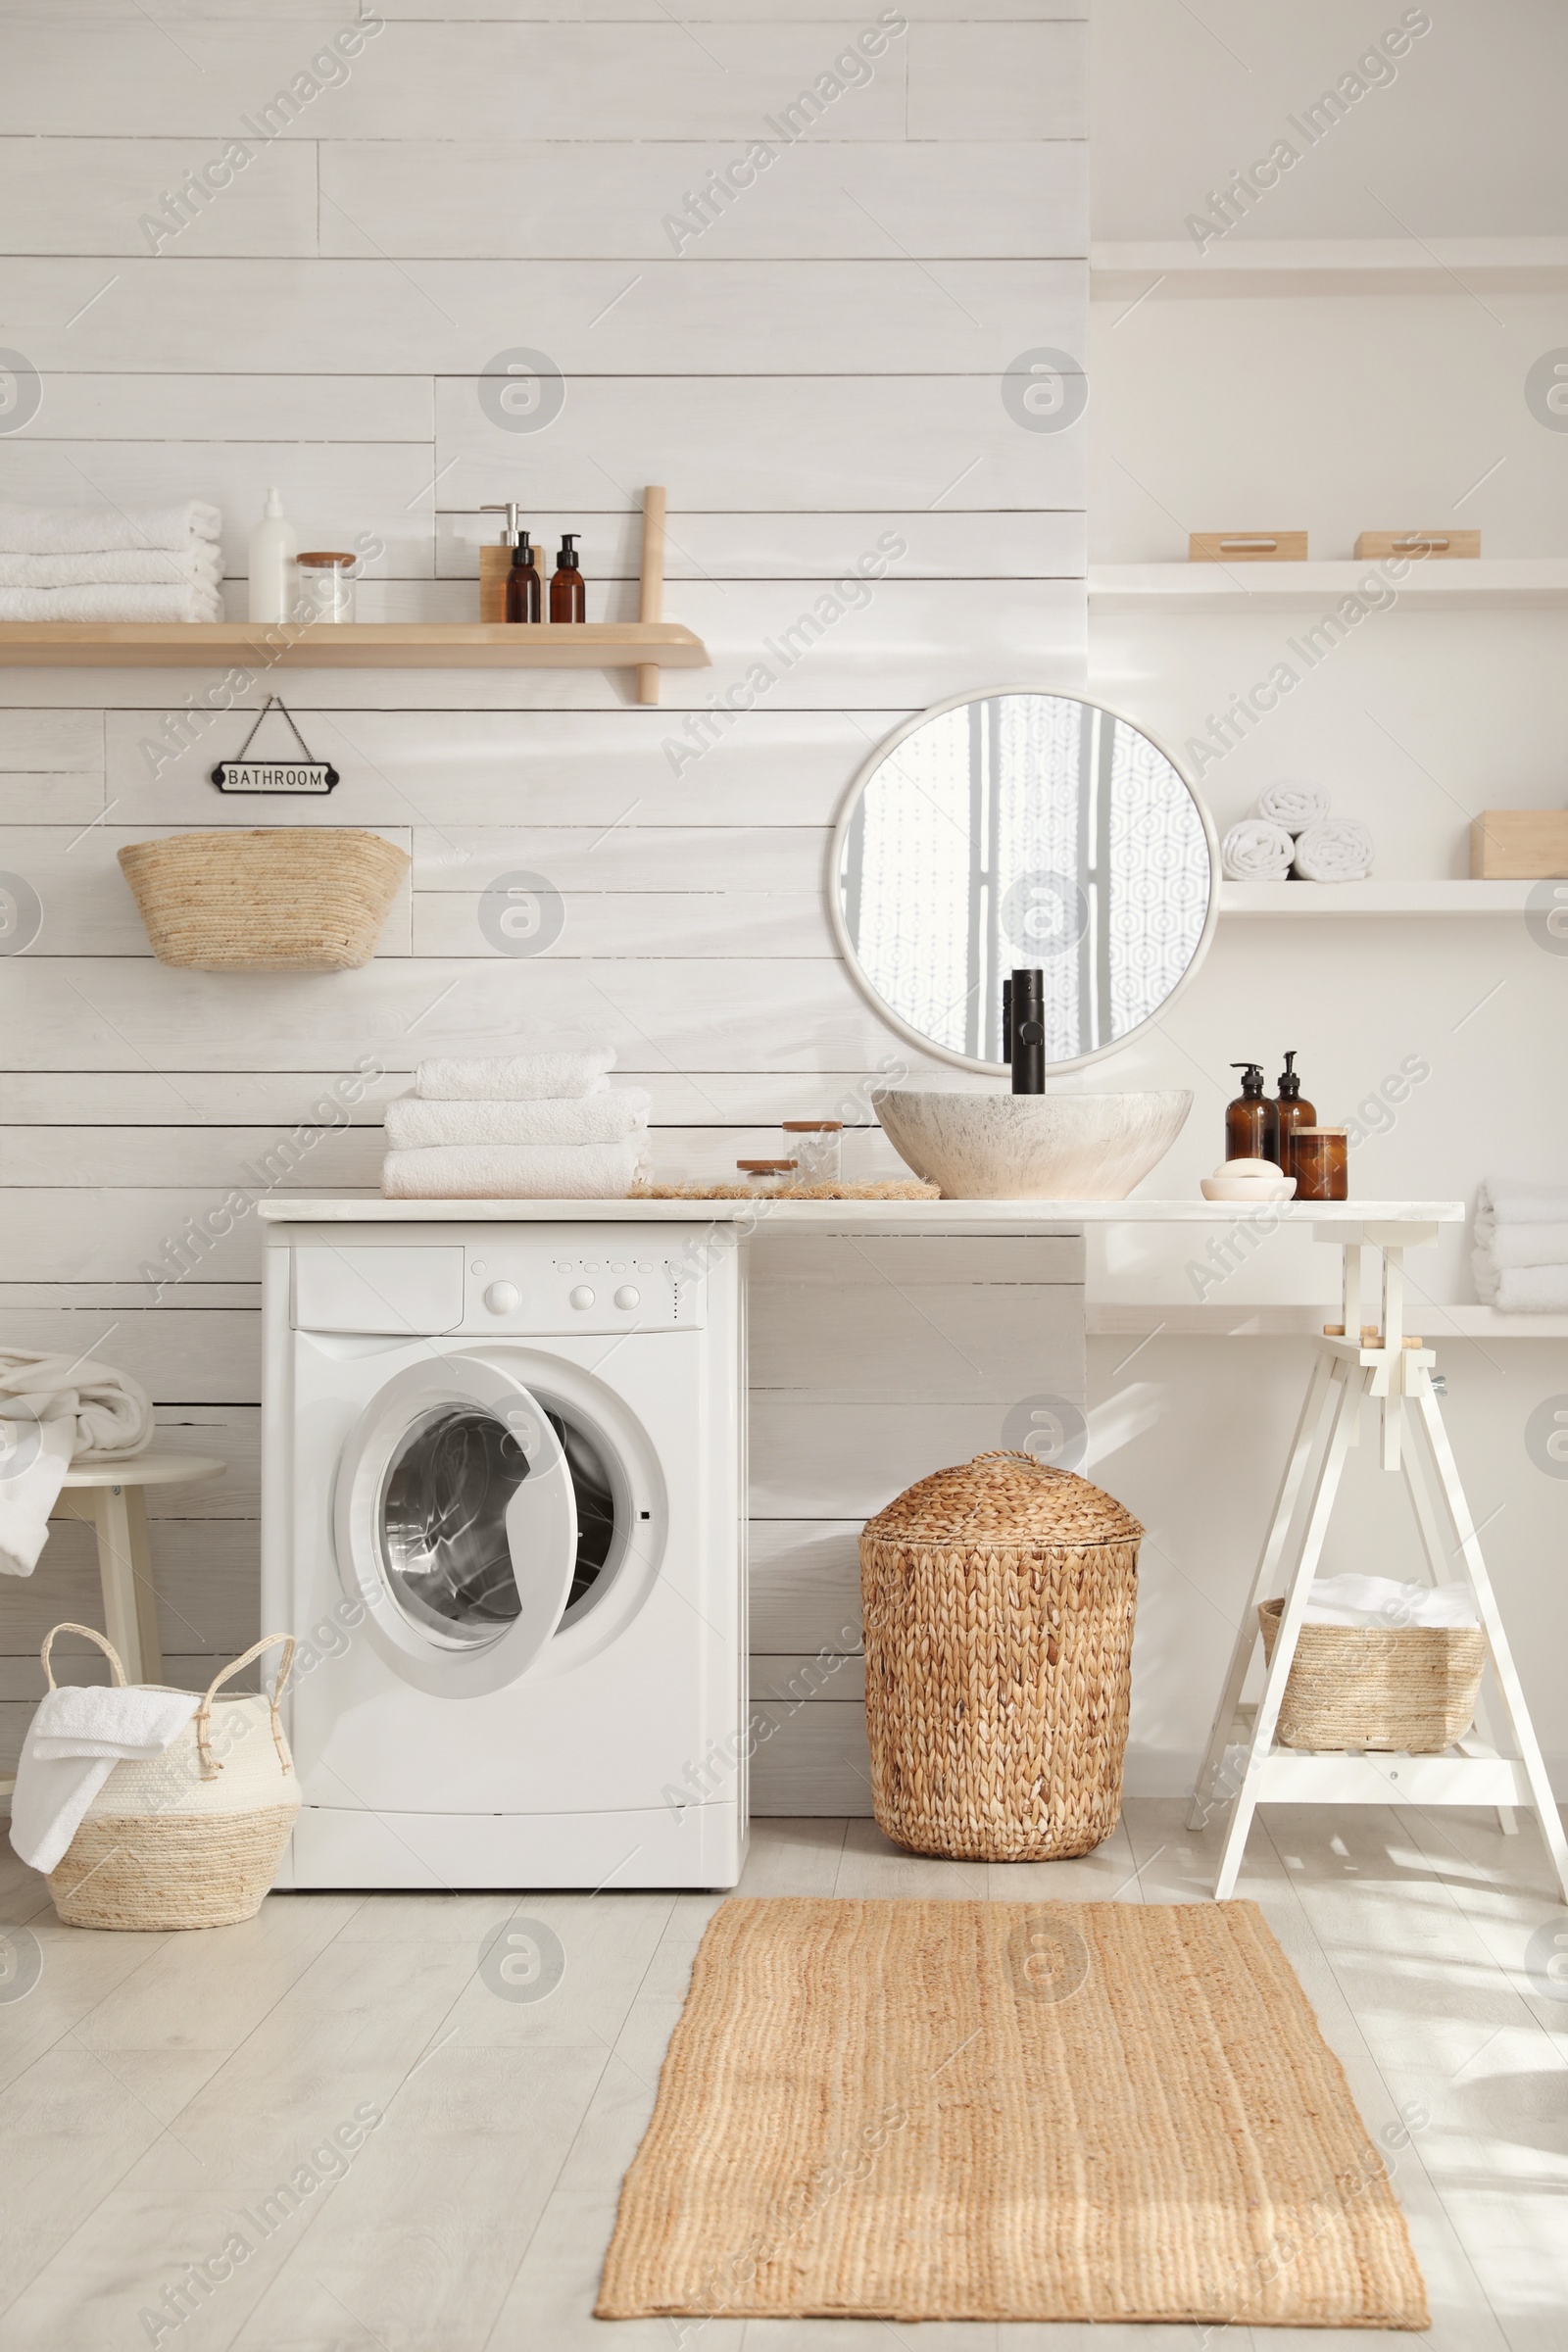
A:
x: 822, y: 366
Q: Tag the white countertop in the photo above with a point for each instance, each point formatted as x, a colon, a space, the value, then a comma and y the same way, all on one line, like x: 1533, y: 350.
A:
x: 936, y: 1217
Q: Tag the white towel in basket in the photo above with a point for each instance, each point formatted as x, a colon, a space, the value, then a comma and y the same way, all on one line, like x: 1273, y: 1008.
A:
x: 78, y: 1735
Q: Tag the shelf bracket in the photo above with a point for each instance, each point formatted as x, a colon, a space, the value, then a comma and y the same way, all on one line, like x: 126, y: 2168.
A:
x: 652, y: 605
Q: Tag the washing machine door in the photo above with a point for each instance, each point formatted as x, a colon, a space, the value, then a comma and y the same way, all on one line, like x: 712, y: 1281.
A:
x: 456, y: 1524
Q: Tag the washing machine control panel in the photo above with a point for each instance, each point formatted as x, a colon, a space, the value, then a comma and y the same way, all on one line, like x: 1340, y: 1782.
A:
x: 584, y: 1280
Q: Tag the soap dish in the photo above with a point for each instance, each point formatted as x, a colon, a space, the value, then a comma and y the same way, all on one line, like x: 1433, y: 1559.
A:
x: 1221, y: 1187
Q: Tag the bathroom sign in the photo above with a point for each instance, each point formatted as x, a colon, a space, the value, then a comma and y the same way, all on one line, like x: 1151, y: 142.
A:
x: 302, y: 775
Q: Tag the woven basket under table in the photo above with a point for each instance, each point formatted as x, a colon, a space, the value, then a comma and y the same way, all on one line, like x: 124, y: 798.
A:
x: 999, y: 1601
x: 1411, y: 1690
x: 294, y: 897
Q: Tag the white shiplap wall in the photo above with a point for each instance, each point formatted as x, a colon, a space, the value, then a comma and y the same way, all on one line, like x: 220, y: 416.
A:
x: 821, y: 366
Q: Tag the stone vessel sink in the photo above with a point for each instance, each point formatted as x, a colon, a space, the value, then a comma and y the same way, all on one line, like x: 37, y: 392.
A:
x: 1031, y: 1146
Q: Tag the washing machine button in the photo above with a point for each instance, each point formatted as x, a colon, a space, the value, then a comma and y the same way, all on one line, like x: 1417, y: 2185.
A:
x: 503, y: 1297
x: 582, y: 1296
x: 627, y: 1297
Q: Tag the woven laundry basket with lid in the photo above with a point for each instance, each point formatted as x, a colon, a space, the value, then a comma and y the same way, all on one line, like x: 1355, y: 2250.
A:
x: 999, y: 1601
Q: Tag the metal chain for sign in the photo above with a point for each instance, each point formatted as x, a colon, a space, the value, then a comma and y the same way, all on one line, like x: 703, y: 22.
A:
x: 304, y: 775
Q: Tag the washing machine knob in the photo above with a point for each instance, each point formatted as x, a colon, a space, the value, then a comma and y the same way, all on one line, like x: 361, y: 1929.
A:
x: 582, y: 1296
x: 627, y: 1297
x: 503, y: 1297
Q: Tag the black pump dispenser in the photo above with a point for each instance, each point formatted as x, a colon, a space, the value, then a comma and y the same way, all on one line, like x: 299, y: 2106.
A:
x: 1252, y: 1121
x: 1290, y: 1078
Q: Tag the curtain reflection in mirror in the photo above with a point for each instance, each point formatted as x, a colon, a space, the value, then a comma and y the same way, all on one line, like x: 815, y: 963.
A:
x: 1025, y: 829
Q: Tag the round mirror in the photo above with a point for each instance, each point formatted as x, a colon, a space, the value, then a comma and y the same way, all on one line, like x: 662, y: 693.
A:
x: 1009, y: 830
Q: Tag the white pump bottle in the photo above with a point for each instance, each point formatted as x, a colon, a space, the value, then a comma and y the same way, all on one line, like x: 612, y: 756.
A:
x: 273, y: 549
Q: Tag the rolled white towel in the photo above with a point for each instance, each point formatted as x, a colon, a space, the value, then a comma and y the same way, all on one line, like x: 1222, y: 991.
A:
x: 412, y: 1124
x: 516, y: 1077
x: 1530, y: 1290
x: 1296, y: 807
x: 88, y: 530
x: 199, y: 564
x: 1256, y: 851
x: 1390, y: 1601
x: 127, y: 602
x: 1338, y: 850
x: 516, y: 1171
x: 1505, y: 1200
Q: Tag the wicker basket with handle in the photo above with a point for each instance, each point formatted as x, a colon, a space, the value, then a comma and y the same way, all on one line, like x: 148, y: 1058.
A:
x: 192, y: 1838
x: 293, y: 898
x: 999, y: 1601
x: 1410, y: 1689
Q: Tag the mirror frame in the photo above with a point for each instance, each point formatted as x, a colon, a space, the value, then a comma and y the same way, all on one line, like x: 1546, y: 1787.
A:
x: 846, y: 946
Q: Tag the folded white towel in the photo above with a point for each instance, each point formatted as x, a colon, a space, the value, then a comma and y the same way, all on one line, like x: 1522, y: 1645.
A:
x: 1296, y: 807
x: 200, y: 564
x: 1527, y: 1244
x: 76, y: 1738
x: 1388, y: 1602
x: 1255, y: 851
x: 52, y: 1409
x: 516, y: 1171
x: 88, y: 530
x: 1338, y: 850
x: 1510, y: 1201
x: 1528, y: 1289
x: 411, y: 1123
x: 516, y: 1077
x: 1485, y: 1273
x: 126, y: 602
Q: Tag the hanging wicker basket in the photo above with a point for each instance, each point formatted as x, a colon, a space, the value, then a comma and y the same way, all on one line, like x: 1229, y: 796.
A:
x: 999, y: 1601
x: 297, y: 898
x: 191, y: 1838
x: 1408, y: 1688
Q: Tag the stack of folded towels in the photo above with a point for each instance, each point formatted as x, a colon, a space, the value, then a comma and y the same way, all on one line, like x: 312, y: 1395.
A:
x: 115, y: 563
x: 1291, y: 833
x: 1520, y: 1259
x: 527, y: 1127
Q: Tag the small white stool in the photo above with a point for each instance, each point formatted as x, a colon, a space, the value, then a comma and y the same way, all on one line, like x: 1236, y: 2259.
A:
x: 109, y: 1497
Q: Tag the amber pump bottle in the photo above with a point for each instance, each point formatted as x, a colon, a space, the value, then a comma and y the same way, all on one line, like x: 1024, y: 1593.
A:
x: 522, y: 583
x: 568, y: 599
x: 1294, y: 1112
x: 1252, y: 1121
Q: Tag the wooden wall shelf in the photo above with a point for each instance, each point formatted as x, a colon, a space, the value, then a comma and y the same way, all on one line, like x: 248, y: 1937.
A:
x: 1503, y: 582
x: 354, y: 645
x: 1290, y: 901
x: 646, y: 645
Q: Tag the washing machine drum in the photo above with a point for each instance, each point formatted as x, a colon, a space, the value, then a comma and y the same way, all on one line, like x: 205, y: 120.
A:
x: 469, y: 1518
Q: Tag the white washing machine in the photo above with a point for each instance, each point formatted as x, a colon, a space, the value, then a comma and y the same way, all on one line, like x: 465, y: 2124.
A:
x: 503, y: 1486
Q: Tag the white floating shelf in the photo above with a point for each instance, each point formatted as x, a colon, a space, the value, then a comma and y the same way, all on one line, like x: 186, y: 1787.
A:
x: 1115, y: 1318
x: 1454, y: 584
x: 1292, y: 900
x: 1238, y: 265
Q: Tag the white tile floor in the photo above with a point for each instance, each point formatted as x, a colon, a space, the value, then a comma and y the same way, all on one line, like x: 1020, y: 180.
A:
x: 155, y: 2087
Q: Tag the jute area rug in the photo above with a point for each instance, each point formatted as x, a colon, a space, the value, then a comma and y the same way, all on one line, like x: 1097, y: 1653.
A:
x: 1005, y: 2111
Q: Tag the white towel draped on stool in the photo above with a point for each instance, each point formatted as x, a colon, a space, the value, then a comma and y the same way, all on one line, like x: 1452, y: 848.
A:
x: 1255, y: 851
x: 73, y: 1742
x: 53, y: 1408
